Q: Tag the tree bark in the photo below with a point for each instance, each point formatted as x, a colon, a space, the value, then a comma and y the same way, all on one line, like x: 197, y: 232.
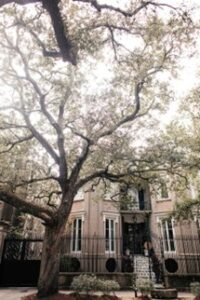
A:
x: 50, y: 262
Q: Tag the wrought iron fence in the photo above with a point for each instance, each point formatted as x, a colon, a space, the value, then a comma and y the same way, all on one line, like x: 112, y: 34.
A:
x: 98, y: 254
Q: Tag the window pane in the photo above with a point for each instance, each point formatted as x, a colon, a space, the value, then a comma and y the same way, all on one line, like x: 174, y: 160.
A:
x: 171, y: 236
x: 166, y: 246
x: 77, y: 235
x: 164, y: 191
x: 109, y: 235
x: 74, y: 236
x: 168, y: 235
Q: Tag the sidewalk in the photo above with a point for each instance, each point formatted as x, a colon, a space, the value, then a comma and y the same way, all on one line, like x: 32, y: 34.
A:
x: 17, y: 293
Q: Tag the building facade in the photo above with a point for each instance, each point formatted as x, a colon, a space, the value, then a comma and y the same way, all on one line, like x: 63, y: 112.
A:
x: 122, y: 229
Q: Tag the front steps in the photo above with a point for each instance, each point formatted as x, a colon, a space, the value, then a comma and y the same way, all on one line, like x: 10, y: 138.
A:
x: 143, y: 268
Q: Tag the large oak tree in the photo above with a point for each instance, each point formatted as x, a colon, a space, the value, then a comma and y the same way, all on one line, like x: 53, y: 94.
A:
x: 74, y: 125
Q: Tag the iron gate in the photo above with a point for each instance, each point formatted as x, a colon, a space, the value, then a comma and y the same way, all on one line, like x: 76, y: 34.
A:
x: 20, y: 263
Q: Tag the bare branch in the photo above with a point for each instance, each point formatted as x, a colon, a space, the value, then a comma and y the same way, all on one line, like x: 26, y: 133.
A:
x: 87, y: 139
x: 144, y: 4
x: 20, y: 141
x: 100, y: 7
x: 128, y: 118
x: 34, y: 132
x: 35, y: 180
x: 81, y: 159
x: 56, y: 125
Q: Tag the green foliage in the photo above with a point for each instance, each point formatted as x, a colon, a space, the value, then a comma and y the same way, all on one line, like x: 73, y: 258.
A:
x: 90, y: 283
x: 145, y: 286
x: 84, y: 283
x: 195, y: 287
x: 187, y: 209
x: 107, y: 286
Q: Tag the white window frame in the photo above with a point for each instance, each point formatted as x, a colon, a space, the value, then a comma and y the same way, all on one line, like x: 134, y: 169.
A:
x: 111, y: 233
x: 164, y: 225
x: 75, y: 238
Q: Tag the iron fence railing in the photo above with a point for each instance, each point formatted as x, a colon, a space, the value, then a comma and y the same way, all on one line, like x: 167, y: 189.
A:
x: 98, y: 255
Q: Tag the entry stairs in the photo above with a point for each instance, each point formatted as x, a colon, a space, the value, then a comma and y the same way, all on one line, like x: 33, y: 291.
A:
x: 143, y: 268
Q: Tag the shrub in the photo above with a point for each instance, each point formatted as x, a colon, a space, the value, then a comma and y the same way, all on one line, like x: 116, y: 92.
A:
x: 195, y: 287
x: 108, y: 286
x: 145, y: 286
x: 84, y: 283
x: 90, y: 283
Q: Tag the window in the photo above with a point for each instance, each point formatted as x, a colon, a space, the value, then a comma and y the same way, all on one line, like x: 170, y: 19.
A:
x: 76, y: 235
x: 110, y: 235
x: 164, y: 191
x: 141, y: 199
x: 168, y: 235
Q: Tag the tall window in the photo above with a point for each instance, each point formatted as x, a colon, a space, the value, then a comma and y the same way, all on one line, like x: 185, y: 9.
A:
x: 168, y: 235
x: 76, y: 234
x: 110, y: 235
x: 164, y: 191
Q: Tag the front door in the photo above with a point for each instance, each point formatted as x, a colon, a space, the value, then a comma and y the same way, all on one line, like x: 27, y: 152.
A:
x: 134, y: 236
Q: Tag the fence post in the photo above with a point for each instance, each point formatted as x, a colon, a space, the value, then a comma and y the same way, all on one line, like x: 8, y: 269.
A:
x: 165, y: 278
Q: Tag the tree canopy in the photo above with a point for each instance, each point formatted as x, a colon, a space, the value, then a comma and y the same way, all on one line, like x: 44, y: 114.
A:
x: 62, y: 126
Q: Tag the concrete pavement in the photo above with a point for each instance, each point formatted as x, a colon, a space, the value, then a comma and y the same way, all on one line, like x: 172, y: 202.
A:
x: 16, y: 293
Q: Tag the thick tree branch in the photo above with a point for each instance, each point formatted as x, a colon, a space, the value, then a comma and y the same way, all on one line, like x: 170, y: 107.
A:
x: 82, y: 158
x: 62, y: 36
x: 84, y: 137
x: 34, y: 132
x: 67, y: 50
x: 144, y: 4
x: 56, y: 125
x: 100, y: 174
x: 100, y: 7
x: 41, y: 139
x: 28, y: 207
x: 35, y: 180
x: 128, y: 118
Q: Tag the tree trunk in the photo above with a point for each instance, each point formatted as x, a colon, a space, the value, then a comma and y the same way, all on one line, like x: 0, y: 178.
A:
x: 50, y: 262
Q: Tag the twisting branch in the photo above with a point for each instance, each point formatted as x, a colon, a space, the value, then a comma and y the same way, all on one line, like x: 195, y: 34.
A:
x: 46, y: 52
x: 75, y: 132
x: 45, y: 214
x: 34, y: 132
x: 56, y: 125
x: 67, y: 50
x: 19, y: 141
x: 81, y: 159
x: 130, y: 117
x: 62, y: 36
x: 144, y: 4
x: 100, y: 7
x: 60, y: 160
x: 35, y: 180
